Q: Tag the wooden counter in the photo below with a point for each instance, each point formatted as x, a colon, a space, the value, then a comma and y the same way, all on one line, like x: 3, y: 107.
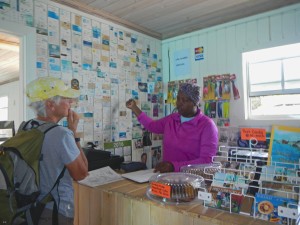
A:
x: 125, y: 203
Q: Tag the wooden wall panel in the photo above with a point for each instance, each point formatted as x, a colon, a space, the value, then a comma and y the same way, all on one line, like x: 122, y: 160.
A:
x: 231, y: 49
x: 195, y: 69
x: 159, y: 216
x: 140, y: 210
x: 172, y: 48
x: 221, y: 51
x: 201, y: 221
x: 297, y: 23
x: 76, y: 199
x: 240, y: 34
x: 263, y: 31
x: 289, y: 25
x: 165, y: 63
x: 276, y: 27
x: 178, y: 218
x: 251, y: 34
x: 84, y: 205
x: 124, y: 211
x: 108, y: 208
x: 95, y: 203
x: 211, y: 51
x: 179, y: 45
x: 202, y: 40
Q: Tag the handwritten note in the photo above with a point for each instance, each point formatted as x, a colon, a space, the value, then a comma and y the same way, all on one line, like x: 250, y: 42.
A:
x: 253, y: 133
x: 161, y: 190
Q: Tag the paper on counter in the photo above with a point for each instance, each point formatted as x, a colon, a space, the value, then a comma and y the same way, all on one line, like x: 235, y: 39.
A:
x: 101, y: 176
x: 140, y: 176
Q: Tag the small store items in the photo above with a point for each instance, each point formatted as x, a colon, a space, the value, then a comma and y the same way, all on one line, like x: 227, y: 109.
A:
x: 235, y: 90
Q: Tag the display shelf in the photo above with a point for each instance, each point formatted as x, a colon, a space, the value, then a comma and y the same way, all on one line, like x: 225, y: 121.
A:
x: 272, y: 189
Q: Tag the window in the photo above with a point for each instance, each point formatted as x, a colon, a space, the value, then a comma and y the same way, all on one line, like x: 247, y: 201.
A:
x: 273, y: 82
x: 3, y: 108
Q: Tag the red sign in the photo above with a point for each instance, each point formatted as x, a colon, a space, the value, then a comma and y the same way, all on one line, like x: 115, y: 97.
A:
x: 161, y: 190
x: 253, y: 133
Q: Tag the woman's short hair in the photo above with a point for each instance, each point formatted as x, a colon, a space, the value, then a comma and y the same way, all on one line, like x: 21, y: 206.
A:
x: 39, y: 107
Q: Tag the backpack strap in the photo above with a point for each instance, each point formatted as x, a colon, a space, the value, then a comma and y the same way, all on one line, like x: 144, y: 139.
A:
x: 56, y: 205
x: 48, y: 196
x: 23, y: 125
x: 44, y: 127
x: 35, y: 211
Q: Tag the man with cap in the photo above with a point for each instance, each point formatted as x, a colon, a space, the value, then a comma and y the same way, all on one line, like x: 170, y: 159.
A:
x: 51, y: 100
x: 190, y: 137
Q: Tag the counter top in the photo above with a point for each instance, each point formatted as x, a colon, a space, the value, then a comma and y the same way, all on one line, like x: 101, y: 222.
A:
x: 125, y: 202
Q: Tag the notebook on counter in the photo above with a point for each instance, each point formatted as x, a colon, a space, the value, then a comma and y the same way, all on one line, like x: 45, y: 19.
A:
x: 140, y: 176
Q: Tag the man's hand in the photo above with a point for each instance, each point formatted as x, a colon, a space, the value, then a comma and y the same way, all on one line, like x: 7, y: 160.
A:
x: 73, y: 119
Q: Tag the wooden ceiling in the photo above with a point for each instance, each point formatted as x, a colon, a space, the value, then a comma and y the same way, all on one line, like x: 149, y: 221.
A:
x: 161, y: 19
x: 164, y: 19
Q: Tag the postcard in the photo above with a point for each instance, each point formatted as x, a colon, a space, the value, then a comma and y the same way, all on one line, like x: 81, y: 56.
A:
x: 284, y: 146
x: 266, y: 207
x: 225, y: 199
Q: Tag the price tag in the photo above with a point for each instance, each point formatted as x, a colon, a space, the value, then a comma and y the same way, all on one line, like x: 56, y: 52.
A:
x: 161, y: 190
x: 253, y: 133
x: 204, y: 196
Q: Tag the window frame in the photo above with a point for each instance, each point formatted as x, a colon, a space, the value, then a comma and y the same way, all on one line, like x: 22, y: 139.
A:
x: 282, y: 82
x: 247, y: 58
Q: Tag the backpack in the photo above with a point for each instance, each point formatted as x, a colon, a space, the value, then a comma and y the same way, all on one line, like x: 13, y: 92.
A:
x: 19, y: 175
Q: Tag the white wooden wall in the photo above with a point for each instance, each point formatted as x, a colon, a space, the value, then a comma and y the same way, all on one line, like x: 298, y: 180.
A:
x: 223, y: 48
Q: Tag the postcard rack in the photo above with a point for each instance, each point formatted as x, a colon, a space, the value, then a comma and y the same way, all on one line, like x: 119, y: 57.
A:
x: 262, y: 189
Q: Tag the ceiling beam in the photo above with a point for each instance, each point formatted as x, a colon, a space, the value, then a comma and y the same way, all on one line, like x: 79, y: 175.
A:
x: 107, y: 16
x: 8, y: 45
x: 9, y: 81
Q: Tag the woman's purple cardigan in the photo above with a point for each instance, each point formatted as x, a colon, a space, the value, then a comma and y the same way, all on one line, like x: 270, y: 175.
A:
x: 191, y: 142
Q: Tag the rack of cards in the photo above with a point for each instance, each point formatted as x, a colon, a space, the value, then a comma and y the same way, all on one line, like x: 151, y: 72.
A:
x: 246, y: 181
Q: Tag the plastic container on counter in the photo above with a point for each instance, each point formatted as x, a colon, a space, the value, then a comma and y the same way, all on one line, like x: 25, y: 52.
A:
x: 206, y: 171
x: 175, y: 188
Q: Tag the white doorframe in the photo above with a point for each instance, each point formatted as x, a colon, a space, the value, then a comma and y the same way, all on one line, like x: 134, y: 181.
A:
x: 27, y: 36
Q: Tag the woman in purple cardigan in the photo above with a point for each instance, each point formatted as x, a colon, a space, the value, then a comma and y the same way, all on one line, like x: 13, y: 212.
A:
x: 190, y: 137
